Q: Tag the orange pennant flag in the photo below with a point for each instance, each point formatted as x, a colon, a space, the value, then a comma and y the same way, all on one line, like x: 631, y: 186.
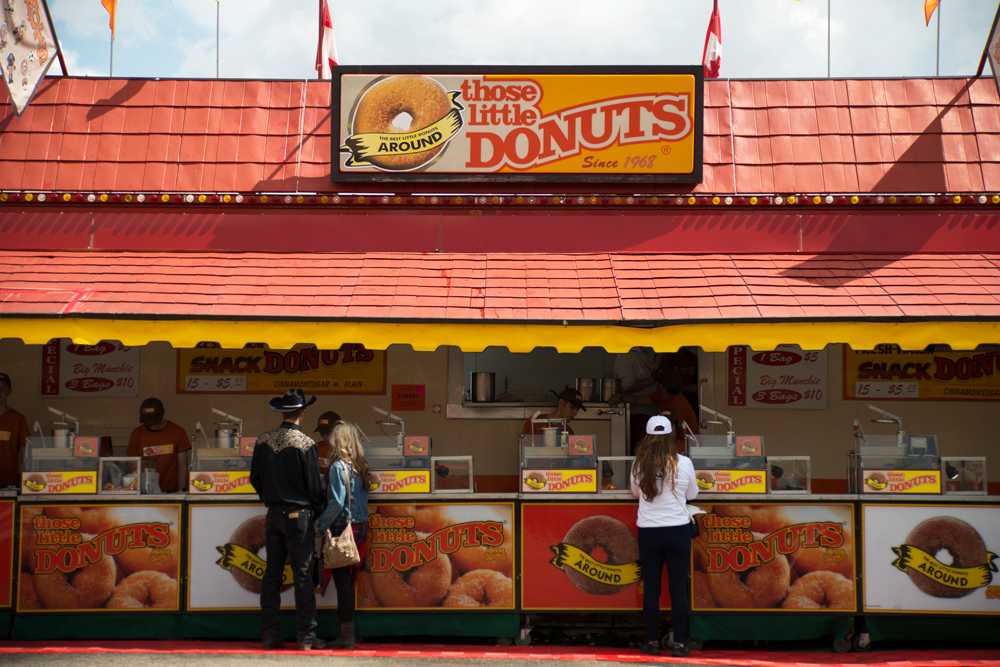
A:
x: 929, y: 7
x: 112, y: 6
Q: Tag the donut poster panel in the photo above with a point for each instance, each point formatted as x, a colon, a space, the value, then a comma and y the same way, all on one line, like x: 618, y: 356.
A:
x: 580, y: 556
x: 6, y: 550
x: 931, y: 558
x: 629, y: 124
x: 99, y: 558
x: 227, y: 557
x: 780, y: 557
x: 439, y: 556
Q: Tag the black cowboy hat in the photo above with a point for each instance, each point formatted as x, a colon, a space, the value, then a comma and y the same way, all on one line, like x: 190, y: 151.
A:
x: 293, y: 400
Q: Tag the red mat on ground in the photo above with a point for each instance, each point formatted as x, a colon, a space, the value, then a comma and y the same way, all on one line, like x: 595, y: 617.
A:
x: 936, y: 658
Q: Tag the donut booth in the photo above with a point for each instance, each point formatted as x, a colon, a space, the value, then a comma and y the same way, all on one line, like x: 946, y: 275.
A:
x: 828, y: 304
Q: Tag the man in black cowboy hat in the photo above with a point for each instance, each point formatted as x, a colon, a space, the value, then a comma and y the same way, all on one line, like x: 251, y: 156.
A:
x: 285, y: 473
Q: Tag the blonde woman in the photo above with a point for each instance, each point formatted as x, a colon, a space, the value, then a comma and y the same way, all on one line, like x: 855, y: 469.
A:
x: 348, y: 463
x: 663, y: 481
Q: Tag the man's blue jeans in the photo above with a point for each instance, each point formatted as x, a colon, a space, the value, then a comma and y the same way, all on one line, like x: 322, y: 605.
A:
x: 289, y: 533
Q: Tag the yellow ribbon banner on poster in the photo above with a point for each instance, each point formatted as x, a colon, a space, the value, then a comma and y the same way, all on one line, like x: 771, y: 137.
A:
x: 559, y: 481
x: 640, y: 124
x: 255, y: 369
x: 732, y: 481
x: 956, y: 577
x: 888, y: 372
x: 577, y: 559
x: 48, y: 481
x: 401, y: 481
x: 220, y: 481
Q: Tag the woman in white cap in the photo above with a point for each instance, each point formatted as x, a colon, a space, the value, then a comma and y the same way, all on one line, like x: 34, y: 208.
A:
x: 663, y: 481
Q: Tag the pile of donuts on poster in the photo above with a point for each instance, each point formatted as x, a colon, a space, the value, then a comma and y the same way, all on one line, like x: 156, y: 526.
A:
x: 76, y: 558
x: 774, y: 557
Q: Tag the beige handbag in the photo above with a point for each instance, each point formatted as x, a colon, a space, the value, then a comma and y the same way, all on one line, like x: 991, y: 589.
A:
x: 340, y: 551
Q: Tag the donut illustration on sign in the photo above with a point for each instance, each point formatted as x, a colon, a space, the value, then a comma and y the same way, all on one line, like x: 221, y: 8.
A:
x: 576, y: 557
x: 535, y: 480
x: 401, y: 123
x: 971, y: 565
x: 876, y: 481
x: 705, y: 480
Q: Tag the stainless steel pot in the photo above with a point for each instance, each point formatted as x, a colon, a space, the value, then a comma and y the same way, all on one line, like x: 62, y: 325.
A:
x: 550, y: 435
x: 483, y: 387
x: 609, y: 387
x: 588, y: 389
x: 226, y: 435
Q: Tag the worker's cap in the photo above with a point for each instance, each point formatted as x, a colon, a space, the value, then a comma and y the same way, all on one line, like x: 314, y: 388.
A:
x: 151, y: 411
x: 6, y: 380
x: 658, y: 425
x: 573, y: 397
x: 327, y: 421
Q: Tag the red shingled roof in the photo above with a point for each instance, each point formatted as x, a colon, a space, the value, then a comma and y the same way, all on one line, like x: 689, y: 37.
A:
x: 906, y: 135
x: 490, y: 287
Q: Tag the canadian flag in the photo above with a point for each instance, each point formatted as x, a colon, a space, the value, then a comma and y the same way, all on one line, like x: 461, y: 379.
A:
x: 712, y: 57
x: 326, y: 52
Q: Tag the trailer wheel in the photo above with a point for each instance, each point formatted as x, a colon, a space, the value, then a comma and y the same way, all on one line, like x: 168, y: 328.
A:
x: 842, y: 645
x: 524, y: 638
x: 862, y: 642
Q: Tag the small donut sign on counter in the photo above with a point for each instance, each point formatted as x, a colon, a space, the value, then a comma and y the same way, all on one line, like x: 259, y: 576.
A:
x: 94, y: 558
x: 559, y: 481
x: 931, y: 558
x: 439, y: 557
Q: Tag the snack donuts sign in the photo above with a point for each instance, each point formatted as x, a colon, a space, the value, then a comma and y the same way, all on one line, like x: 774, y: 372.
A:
x: 518, y: 124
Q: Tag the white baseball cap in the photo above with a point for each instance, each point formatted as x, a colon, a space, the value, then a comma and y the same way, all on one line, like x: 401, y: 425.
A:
x: 658, y: 425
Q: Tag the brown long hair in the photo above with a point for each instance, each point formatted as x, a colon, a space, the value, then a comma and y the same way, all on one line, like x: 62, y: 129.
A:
x: 345, y: 445
x: 655, y: 455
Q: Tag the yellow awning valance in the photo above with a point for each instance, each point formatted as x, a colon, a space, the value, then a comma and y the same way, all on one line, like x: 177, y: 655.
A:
x: 713, y: 337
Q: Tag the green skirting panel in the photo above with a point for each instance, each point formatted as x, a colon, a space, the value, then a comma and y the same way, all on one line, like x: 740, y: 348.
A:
x: 767, y: 628
x: 932, y: 628
x: 247, y: 626
x: 98, y: 626
x: 438, y: 625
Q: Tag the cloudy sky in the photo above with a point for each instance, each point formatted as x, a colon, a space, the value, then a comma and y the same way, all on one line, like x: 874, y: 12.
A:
x: 761, y: 38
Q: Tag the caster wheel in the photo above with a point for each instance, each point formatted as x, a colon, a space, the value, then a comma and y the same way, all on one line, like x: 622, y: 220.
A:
x: 842, y: 645
x: 524, y: 638
x: 696, y: 646
x: 862, y: 642
x: 504, y: 641
x: 667, y: 642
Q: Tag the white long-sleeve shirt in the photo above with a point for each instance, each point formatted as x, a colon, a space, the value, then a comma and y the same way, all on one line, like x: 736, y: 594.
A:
x: 665, y: 509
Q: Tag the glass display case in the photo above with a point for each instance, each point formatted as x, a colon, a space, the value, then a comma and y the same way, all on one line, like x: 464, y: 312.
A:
x: 729, y: 463
x: 558, y: 462
x: 789, y: 474
x: 52, y: 465
x: 964, y: 475
x: 615, y: 471
x: 897, y: 463
x: 452, y: 474
x: 127, y: 475
x: 400, y: 464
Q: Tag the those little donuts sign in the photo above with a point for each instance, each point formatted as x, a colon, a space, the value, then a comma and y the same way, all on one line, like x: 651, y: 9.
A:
x: 518, y: 124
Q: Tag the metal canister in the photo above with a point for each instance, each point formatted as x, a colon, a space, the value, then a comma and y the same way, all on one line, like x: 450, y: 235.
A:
x: 551, y: 435
x: 587, y: 388
x: 226, y: 435
x: 483, y: 385
x: 609, y: 387
x: 62, y: 435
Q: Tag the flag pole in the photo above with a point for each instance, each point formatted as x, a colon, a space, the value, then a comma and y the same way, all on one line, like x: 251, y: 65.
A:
x: 217, y: 5
x: 828, y: 39
x: 319, y: 71
x: 111, y: 67
x: 937, y: 57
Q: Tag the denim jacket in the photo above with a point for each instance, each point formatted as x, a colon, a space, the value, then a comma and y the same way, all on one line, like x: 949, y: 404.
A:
x: 335, y: 514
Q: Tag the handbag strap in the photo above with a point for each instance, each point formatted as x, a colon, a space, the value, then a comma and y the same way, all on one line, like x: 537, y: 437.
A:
x: 347, y: 482
x: 683, y: 505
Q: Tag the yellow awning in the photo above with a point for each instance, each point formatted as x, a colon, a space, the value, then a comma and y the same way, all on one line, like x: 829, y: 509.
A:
x: 713, y: 337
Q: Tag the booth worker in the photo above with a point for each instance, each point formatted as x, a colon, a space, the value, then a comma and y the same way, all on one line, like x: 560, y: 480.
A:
x: 569, y: 404
x: 13, y: 434
x: 164, y: 441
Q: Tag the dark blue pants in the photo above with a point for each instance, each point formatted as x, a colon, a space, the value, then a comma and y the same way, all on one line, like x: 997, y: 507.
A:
x: 292, y: 536
x: 670, y: 546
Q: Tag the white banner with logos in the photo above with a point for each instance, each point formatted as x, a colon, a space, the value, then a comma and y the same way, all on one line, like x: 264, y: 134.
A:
x: 27, y: 48
x: 786, y: 377
x: 105, y: 369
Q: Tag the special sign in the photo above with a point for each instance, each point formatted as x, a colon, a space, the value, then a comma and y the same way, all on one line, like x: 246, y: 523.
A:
x: 350, y: 369
x: 888, y: 372
x: 526, y: 123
